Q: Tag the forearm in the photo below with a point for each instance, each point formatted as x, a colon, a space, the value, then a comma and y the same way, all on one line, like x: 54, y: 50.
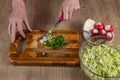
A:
x: 18, y: 4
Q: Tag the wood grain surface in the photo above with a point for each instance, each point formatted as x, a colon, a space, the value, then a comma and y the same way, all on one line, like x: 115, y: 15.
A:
x: 42, y: 15
x: 37, y: 54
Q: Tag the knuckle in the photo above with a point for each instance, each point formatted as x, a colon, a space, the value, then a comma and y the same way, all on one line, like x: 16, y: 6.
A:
x: 64, y: 10
x: 11, y: 18
x: 19, y: 20
x: 71, y: 10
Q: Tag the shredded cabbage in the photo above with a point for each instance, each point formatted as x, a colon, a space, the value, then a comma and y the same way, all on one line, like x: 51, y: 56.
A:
x: 102, y: 60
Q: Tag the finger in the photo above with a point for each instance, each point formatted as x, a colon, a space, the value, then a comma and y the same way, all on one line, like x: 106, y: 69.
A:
x: 13, y: 31
x: 27, y: 25
x: 71, y: 13
x: 77, y: 7
x: 65, y: 13
x: 19, y: 28
x: 9, y: 29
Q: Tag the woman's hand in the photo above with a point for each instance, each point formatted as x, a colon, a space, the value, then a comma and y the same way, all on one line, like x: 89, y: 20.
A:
x: 68, y: 8
x: 17, y: 18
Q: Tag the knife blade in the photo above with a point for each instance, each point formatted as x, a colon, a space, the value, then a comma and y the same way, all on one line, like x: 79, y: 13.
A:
x: 21, y: 46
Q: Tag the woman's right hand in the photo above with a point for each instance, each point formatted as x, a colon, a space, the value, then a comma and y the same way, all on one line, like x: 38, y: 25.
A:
x: 17, y: 18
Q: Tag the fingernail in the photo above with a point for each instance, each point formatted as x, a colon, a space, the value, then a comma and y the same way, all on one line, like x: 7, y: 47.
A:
x: 12, y: 41
x: 24, y: 37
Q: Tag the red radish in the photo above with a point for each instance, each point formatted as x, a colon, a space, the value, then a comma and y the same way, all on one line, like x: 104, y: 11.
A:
x: 109, y: 35
x: 109, y: 28
x: 102, y: 32
x: 99, y: 26
x: 94, y: 32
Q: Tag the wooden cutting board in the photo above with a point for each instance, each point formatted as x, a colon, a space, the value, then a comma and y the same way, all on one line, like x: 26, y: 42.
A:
x: 43, y: 56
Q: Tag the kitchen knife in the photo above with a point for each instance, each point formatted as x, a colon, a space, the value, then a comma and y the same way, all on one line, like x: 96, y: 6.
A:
x: 21, y: 46
x: 47, y: 35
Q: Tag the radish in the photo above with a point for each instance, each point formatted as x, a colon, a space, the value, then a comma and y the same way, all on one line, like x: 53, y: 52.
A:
x: 94, y: 32
x: 102, y: 32
x: 109, y: 35
x: 109, y: 28
x: 99, y: 26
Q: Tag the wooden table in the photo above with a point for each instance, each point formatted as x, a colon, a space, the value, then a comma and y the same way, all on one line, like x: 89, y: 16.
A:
x: 41, y: 15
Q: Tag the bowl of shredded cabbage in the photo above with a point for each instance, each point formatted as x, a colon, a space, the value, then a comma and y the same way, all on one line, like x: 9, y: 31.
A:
x: 99, y: 59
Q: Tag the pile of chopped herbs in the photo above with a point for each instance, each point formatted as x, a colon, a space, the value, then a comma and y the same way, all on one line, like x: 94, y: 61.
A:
x: 56, y: 43
x: 102, y: 60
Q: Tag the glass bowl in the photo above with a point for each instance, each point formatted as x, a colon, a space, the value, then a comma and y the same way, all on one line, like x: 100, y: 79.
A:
x: 96, y: 40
